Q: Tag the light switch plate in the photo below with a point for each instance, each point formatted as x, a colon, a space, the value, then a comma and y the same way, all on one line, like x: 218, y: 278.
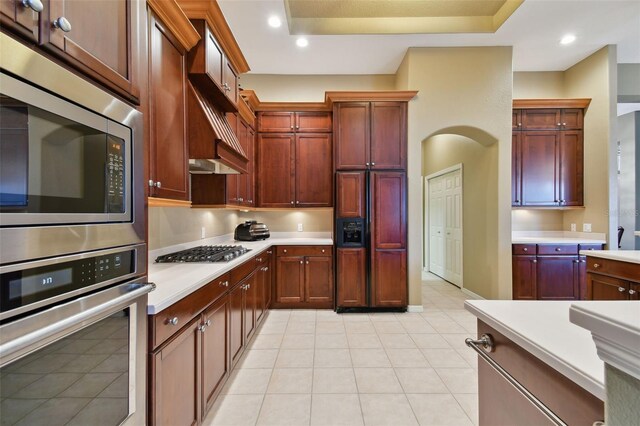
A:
x: 300, y: 227
x: 573, y: 227
x: 586, y: 227
x: 202, y: 232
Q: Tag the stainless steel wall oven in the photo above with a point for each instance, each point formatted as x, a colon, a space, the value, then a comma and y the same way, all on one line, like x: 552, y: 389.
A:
x: 73, y: 258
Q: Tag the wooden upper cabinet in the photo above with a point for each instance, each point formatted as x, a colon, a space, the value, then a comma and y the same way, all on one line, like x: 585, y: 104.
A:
x: 96, y: 37
x: 313, y: 171
x: 350, y: 194
x: 541, y: 119
x: 389, y: 210
x: 168, y: 166
x: 299, y: 122
x: 210, y: 69
x: 275, y: 179
x: 352, y: 134
x: 313, y: 122
x: 21, y: 19
x: 276, y: 122
x: 571, y: 119
x: 516, y: 119
x: 388, y: 135
x: 571, y: 164
x: 516, y: 169
x: 539, y: 151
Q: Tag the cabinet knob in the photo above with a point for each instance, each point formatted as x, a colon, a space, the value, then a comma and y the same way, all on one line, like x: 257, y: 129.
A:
x: 517, y: 201
x: 562, y: 201
x: 158, y: 184
x: 224, y: 283
x: 525, y: 249
x: 202, y: 328
x: 258, y: 259
x: 519, y: 124
x: 323, y: 250
x: 534, y: 261
x: 596, y: 265
x: 631, y: 291
x: 373, y: 164
x: 297, y: 202
x: 292, y: 202
x: 284, y: 251
x: 35, y: 5
x: 151, y: 183
x: 366, y: 164
x: 291, y: 127
x: 172, y: 321
x: 297, y: 127
x: 558, y: 249
x: 269, y: 252
x: 62, y: 24
x: 559, y: 124
x: 307, y: 262
x: 564, y: 124
x: 208, y: 323
x: 301, y: 262
x: 621, y: 289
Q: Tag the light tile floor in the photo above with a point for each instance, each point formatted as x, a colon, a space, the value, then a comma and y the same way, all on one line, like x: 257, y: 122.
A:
x: 320, y: 368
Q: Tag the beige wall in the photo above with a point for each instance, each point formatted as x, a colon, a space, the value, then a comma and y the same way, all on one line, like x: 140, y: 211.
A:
x: 590, y: 78
x: 287, y: 221
x: 311, y: 88
x: 466, y: 91
x: 536, y: 220
x: 538, y: 85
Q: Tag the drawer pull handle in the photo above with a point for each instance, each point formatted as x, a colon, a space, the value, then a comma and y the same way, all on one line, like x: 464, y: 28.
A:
x: 525, y: 249
x: 35, y: 5
x: 632, y: 291
x: 172, y: 321
x: 258, y: 259
x: 284, y: 251
x: 486, y: 342
x: 323, y: 250
x: 224, y: 283
x: 621, y: 289
x: 596, y: 265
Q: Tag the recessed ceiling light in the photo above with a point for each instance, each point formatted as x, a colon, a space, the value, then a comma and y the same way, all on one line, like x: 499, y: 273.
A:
x: 302, y: 42
x: 568, y: 39
x: 274, y: 22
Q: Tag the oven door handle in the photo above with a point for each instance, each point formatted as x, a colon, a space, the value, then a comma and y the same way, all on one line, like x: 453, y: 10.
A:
x: 21, y: 336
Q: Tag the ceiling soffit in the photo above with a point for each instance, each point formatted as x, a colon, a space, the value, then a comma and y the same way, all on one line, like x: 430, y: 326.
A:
x: 397, y: 16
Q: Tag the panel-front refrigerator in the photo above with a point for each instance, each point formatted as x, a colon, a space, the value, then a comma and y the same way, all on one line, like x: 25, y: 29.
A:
x: 371, y: 240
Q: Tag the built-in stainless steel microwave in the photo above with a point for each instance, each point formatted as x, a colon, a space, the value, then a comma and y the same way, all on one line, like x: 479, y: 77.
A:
x: 71, y: 169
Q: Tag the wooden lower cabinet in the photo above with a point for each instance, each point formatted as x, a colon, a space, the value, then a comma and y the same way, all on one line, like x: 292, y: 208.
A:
x: 175, y: 373
x: 524, y: 277
x: 609, y: 279
x: 236, y: 319
x: 388, y: 278
x: 304, y: 277
x: 215, y: 352
x: 500, y: 403
x: 251, y: 303
x: 608, y: 288
x: 557, y: 278
x: 351, y: 278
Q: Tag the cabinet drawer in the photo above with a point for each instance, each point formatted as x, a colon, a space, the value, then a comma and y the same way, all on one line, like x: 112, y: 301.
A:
x: 591, y: 246
x: 262, y: 258
x: 240, y: 272
x: 183, y: 311
x: 614, y: 268
x: 524, y: 249
x: 304, y: 251
x: 557, y: 249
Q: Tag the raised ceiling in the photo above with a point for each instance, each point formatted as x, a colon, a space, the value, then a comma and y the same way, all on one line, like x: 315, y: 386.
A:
x: 397, y: 16
x: 534, y: 30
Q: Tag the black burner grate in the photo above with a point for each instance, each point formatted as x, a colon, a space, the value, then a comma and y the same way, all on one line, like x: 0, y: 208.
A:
x: 204, y: 254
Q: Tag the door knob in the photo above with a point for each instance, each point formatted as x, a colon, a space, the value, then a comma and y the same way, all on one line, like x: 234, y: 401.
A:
x: 35, y: 5
x: 63, y: 24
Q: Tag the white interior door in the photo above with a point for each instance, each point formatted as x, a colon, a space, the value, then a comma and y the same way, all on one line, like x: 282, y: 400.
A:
x: 445, y: 226
x: 436, y: 226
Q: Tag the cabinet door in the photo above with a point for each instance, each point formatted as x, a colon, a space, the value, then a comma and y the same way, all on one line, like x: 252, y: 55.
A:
x: 350, y: 194
x: 167, y: 114
x: 251, y: 175
x: 516, y: 168
x: 268, y: 283
x: 352, y: 135
x: 516, y: 119
x: 557, y: 278
x: 290, y: 279
x: 243, y: 179
x: 318, y: 279
x: 230, y: 77
x: 313, y: 122
x: 14, y: 15
x: 389, y: 210
x: 236, y: 318
x: 634, y: 288
x: 572, y: 119
x: 524, y: 278
x: 215, y: 352
x: 251, y: 300
x: 99, y: 40
x: 389, y: 278
x: 351, y: 278
x: 214, y: 58
x: 388, y: 135
x: 540, y: 168
x: 176, y: 373
x: 276, y: 122
x: 602, y: 287
x: 582, y: 278
x: 571, y: 184
x: 541, y: 119
x: 276, y: 170
x: 232, y: 189
x: 314, y: 171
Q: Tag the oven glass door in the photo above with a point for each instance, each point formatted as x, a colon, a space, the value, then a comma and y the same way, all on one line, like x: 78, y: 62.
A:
x: 59, y: 163
x: 81, y: 379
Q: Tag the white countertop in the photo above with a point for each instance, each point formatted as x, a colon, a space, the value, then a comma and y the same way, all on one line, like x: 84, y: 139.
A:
x: 174, y: 281
x: 543, y: 329
x: 557, y: 237
x: 632, y: 256
x: 615, y: 327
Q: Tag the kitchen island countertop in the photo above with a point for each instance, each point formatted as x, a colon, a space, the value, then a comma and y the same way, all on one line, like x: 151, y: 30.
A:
x: 543, y: 329
x: 174, y: 281
x: 632, y: 256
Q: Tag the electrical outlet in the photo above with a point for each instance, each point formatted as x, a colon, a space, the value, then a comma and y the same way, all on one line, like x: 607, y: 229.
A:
x: 202, y: 232
x: 586, y: 227
x: 300, y: 227
x: 573, y: 227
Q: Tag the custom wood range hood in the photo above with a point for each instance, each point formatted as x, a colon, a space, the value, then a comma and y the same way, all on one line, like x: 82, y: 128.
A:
x: 213, y: 146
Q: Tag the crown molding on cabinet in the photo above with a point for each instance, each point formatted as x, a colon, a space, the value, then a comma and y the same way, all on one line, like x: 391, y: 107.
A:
x: 581, y: 103
x: 209, y: 10
x: 245, y: 111
x: 173, y: 17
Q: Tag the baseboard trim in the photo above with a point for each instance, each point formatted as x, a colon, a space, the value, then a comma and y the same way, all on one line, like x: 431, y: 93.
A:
x: 472, y: 294
x: 415, y: 308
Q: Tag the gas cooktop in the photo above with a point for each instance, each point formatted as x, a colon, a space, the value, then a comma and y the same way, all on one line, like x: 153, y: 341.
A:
x: 204, y: 254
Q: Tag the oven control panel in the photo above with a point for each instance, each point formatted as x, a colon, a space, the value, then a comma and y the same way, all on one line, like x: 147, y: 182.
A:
x: 115, y: 175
